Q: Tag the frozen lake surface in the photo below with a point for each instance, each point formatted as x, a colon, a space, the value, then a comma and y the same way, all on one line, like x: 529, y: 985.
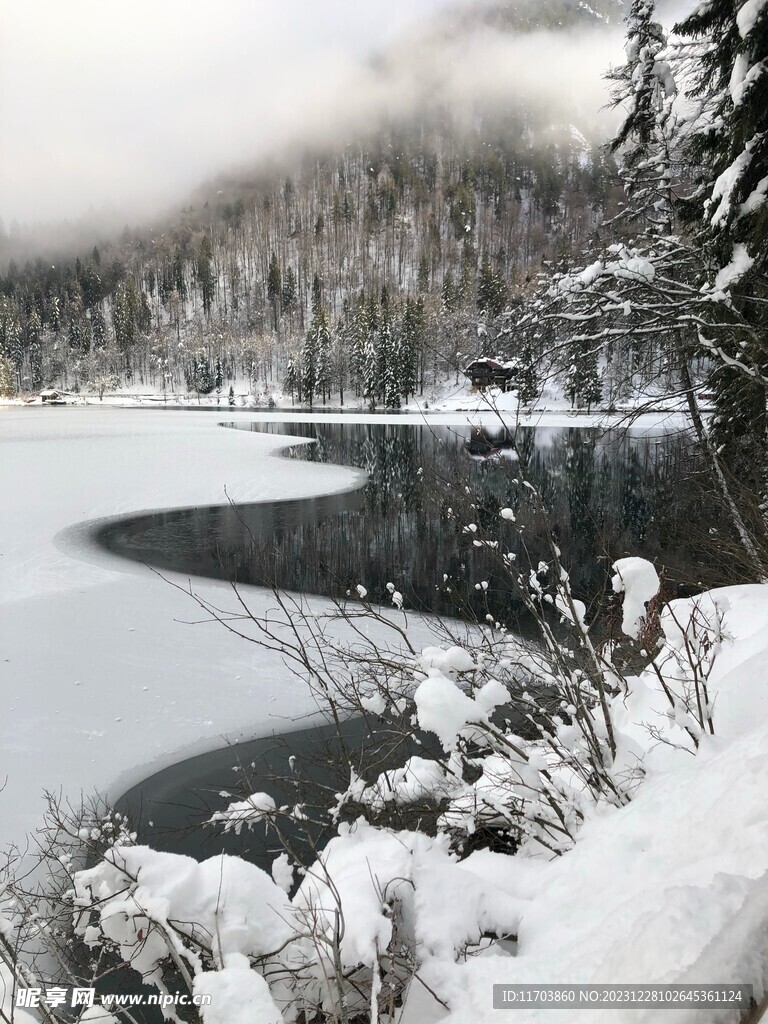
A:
x: 103, y: 679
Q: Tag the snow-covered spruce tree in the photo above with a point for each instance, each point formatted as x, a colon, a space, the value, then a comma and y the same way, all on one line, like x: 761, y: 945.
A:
x: 292, y: 382
x: 309, y: 361
x: 645, y: 89
x: 411, y: 342
x: 729, y: 143
x: 202, y: 376
x: 582, y: 378
x: 390, y: 360
x: 322, y: 329
x: 275, y: 289
x: 358, y: 328
x: 7, y: 385
x: 371, y: 366
x: 528, y: 385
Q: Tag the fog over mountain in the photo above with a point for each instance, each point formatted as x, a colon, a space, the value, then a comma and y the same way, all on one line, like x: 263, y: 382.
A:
x: 119, y: 115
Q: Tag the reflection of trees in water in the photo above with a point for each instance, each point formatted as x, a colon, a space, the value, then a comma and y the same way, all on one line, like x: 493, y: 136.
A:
x: 605, y: 495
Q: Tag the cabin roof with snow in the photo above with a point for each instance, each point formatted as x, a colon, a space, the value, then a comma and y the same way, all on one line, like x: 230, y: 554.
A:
x: 487, y: 372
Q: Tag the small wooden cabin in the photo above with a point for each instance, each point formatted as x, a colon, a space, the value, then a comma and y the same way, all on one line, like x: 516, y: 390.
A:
x: 52, y: 397
x: 491, y: 373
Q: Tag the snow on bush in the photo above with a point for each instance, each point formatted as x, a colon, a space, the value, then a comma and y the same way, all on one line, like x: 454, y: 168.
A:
x: 238, y: 995
x: 245, y: 812
x: 606, y: 827
x: 417, y: 779
x: 148, y: 902
x: 637, y: 579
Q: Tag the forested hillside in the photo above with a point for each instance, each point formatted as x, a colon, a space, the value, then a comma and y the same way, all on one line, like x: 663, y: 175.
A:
x: 394, y: 254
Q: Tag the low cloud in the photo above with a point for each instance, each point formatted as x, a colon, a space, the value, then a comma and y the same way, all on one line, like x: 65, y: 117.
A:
x: 126, y: 110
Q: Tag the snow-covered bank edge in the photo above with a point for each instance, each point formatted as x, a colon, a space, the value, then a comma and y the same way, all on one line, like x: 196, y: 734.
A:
x: 666, y: 887
x: 476, y: 408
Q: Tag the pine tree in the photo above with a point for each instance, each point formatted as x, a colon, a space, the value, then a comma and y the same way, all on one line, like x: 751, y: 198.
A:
x: 274, y: 287
x: 231, y: 398
x: 79, y: 328
x: 7, y: 385
x: 98, y: 327
x: 292, y: 383
x: 202, y: 377
x: 422, y: 280
x: 582, y: 376
x: 14, y: 346
x: 322, y: 331
x: 644, y: 90
x: 449, y: 295
x: 371, y: 379
x: 205, y: 274
x: 143, y: 314
x: 289, y: 295
x: 179, y: 275
x: 122, y: 319
x: 359, y: 335
x: 317, y: 294
x: 35, y: 366
x: 316, y: 369
x: 731, y: 215
x: 411, y: 333
x: 54, y: 313
x: 91, y: 285
x: 342, y: 342
x: 389, y: 361
x: 491, y: 290
x: 528, y: 387
x: 218, y: 376
x: 34, y: 327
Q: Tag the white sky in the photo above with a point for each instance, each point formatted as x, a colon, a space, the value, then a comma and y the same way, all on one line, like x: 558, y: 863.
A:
x: 114, y: 105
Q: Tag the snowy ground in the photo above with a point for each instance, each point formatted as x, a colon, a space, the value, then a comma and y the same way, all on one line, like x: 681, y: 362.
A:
x: 551, y: 408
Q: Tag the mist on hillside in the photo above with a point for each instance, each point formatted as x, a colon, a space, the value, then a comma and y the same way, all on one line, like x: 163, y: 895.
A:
x: 123, y: 119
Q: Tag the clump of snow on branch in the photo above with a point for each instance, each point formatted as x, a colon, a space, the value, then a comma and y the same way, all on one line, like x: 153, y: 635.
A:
x: 638, y: 581
x: 247, y: 812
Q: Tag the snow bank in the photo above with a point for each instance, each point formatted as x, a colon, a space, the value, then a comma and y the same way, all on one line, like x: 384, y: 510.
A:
x: 238, y: 995
x: 663, y: 890
x: 672, y: 887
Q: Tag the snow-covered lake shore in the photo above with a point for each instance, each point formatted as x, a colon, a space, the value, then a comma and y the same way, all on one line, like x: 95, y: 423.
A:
x: 462, y: 407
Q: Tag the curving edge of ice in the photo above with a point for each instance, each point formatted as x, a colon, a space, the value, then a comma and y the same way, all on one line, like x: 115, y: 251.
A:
x: 104, y: 674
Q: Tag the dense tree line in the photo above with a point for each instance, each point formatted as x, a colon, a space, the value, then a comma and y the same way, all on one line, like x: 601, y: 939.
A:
x: 437, y: 230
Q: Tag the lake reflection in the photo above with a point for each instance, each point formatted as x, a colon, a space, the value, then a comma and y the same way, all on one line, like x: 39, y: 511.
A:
x: 607, y: 494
